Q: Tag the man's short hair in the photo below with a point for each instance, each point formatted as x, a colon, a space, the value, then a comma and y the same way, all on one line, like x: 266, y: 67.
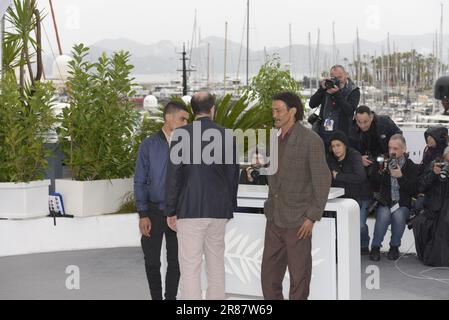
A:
x: 174, y: 106
x: 292, y: 100
x: 363, y: 109
x: 202, y: 103
x: 338, y: 66
x: 399, y: 137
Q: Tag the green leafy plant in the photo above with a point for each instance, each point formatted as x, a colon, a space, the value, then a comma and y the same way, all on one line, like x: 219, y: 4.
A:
x: 25, y: 103
x: 271, y: 79
x: 22, y: 42
x: 128, y: 204
x: 97, y: 129
x: 150, y: 124
x: 25, y: 122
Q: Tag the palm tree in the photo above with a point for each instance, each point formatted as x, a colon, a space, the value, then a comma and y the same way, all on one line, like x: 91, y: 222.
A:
x: 22, y: 42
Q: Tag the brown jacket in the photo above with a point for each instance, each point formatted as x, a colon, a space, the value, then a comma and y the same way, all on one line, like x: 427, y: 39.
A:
x: 300, y: 187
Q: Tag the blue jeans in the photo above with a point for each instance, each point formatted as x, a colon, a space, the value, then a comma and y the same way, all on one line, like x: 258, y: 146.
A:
x: 384, y: 218
x: 364, y: 235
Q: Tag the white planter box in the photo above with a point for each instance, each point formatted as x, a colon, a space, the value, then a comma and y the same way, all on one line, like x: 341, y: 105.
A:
x: 24, y: 200
x: 91, y: 198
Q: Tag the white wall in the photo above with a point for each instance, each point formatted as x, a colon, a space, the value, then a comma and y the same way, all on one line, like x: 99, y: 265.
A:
x: 19, y: 237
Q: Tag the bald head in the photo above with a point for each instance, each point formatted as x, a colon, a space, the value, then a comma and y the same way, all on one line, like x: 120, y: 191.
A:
x: 339, y: 72
x: 202, y: 103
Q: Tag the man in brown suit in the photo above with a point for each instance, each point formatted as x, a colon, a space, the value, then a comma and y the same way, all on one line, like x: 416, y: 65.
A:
x: 297, y: 196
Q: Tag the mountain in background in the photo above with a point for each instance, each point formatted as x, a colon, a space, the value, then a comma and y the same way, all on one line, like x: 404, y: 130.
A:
x: 164, y: 57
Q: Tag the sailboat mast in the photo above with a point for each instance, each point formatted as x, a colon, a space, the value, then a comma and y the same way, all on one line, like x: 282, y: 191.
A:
x: 56, y: 27
x: 310, y: 64
x: 247, y: 42
x: 290, y: 44
x: 208, y: 64
x: 388, y: 69
x: 334, y: 45
x: 317, y: 60
x: 225, y: 55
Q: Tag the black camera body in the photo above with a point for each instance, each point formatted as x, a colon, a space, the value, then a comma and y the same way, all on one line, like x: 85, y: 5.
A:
x: 413, y: 214
x: 377, y: 200
x: 258, y: 171
x: 444, y: 166
x: 313, y: 118
x: 379, y: 159
x: 331, y: 83
x: 393, y: 162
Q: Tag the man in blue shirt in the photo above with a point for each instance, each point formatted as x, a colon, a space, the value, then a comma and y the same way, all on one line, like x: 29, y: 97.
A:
x: 149, y: 190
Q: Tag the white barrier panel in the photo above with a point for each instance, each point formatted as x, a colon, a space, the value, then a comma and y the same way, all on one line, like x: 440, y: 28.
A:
x: 245, y: 234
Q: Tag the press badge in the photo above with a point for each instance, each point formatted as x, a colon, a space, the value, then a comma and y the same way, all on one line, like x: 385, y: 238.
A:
x: 329, y: 125
x: 394, y: 207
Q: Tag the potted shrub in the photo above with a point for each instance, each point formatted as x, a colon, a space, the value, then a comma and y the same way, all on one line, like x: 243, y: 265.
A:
x: 96, y: 134
x: 26, y: 117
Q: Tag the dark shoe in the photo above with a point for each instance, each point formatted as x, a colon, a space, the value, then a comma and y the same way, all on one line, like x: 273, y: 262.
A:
x: 364, y: 251
x: 374, y: 254
x: 393, y: 254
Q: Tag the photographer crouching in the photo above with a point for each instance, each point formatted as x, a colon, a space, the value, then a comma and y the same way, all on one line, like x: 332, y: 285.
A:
x: 254, y: 174
x: 397, y: 181
x: 338, y: 97
x: 431, y: 225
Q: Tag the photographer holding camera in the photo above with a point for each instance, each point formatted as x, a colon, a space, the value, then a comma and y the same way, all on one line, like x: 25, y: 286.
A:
x: 431, y: 225
x: 253, y: 174
x: 338, y: 97
x: 397, y: 182
x: 371, y: 133
x: 345, y: 164
x: 436, y: 141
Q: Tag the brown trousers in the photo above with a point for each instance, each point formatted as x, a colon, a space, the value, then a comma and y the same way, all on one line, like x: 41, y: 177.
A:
x: 283, y: 248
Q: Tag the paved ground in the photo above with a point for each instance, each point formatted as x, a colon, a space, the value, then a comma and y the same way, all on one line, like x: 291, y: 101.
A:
x: 120, y: 274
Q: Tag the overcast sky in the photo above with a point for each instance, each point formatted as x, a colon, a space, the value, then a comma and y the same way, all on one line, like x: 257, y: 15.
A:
x: 149, y: 21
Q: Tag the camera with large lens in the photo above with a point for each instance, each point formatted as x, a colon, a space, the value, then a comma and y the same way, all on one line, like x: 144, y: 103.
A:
x: 444, y: 166
x: 331, y: 83
x: 313, y: 118
x: 413, y: 214
x: 257, y: 171
x: 393, y: 162
x: 377, y: 200
x: 379, y: 159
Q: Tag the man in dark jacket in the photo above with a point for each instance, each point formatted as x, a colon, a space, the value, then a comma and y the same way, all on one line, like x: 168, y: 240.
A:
x: 337, y: 104
x: 149, y: 191
x: 201, y: 195
x: 397, y: 183
x: 347, y: 170
x: 371, y: 133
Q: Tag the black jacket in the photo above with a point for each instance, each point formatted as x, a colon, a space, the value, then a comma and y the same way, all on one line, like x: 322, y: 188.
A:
x: 382, y: 128
x: 351, y: 174
x: 436, y: 190
x: 346, y: 104
x: 195, y: 189
x: 431, y: 227
x: 407, y: 184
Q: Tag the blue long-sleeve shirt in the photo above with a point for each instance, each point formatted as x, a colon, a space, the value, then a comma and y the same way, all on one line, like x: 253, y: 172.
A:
x: 150, y: 173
